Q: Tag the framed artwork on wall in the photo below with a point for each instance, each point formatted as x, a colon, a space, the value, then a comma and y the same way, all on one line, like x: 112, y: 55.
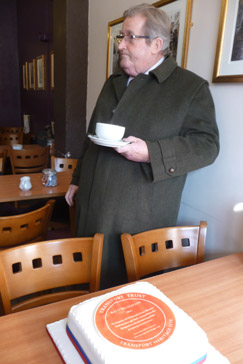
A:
x: 40, y: 72
x: 25, y: 76
x: 228, y: 66
x: 180, y: 13
x: 52, y: 69
x: 114, y: 28
x: 31, y: 73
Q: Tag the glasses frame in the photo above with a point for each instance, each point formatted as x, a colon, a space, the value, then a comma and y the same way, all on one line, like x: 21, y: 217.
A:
x: 119, y: 38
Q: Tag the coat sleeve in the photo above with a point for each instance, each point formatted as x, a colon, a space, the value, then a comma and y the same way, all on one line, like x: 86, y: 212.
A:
x: 196, y: 146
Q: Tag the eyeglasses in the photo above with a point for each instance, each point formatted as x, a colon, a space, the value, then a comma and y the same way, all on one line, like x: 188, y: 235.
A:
x: 129, y: 38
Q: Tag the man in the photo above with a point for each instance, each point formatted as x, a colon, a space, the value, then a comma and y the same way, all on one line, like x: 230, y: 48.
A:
x: 169, y: 117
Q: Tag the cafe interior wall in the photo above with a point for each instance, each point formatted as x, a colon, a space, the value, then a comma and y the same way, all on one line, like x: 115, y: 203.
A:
x: 214, y: 193
x: 33, y: 28
x: 10, y: 109
x: 35, y: 38
x: 26, y: 33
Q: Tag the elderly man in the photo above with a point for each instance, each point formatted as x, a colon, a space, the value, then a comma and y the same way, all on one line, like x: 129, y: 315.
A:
x: 170, y: 123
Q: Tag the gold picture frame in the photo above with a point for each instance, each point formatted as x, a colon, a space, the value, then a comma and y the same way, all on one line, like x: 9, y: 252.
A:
x: 40, y: 72
x: 228, y: 65
x: 25, y: 76
x: 52, y: 70
x: 32, y: 75
x: 179, y: 10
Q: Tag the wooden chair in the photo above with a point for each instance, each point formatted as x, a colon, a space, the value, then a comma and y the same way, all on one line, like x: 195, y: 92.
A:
x: 35, y: 268
x: 11, y: 135
x: 11, y: 129
x: 63, y: 164
x: 3, y: 157
x: 29, y: 160
x: 66, y: 164
x: 160, y: 249
x: 25, y: 228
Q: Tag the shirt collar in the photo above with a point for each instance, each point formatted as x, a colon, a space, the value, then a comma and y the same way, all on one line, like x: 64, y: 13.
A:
x: 130, y: 78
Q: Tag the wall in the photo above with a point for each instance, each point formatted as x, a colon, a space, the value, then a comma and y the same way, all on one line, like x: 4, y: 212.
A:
x: 10, y: 114
x: 210, y: 193
x: 34, y: 22
x: 70, y: 28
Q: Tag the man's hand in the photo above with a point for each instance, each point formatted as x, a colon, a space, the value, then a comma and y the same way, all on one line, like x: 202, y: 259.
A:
x: 136, y: 151
x: 71, y: 192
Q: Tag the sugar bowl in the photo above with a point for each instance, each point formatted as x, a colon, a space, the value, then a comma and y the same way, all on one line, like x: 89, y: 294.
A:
x: 49, y: 177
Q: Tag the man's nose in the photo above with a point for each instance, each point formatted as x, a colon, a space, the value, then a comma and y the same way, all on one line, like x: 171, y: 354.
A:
x: 122, y: 44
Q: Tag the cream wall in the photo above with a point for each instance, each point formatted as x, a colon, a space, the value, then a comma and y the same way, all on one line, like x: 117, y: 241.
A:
x: 210, y: 193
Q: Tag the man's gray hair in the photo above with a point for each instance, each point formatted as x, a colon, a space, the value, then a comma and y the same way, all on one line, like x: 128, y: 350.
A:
x: 157, y: 23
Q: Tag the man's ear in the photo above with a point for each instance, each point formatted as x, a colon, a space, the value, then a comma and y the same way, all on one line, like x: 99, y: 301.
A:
x: 157, y: 45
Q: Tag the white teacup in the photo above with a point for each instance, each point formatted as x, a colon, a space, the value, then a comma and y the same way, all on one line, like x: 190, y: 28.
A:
x: 109, y: 131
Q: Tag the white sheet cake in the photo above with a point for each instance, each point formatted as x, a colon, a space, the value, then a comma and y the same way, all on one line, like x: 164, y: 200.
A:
x: 135, y: 324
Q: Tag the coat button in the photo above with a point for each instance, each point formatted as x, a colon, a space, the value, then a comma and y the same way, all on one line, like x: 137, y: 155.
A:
x: 171, y: 170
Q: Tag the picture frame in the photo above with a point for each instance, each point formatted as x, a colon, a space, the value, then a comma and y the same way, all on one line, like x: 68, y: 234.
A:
x: 179, y: 11
x: 25, y: 76
x: 114, y: 28
x: 228, y: 65
x: 40, y: 72
x: 52, y: 70
x: 31, y: 75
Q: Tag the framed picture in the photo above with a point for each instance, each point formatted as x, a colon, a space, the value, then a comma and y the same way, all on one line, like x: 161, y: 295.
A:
x: 31, y: 74
x: 228, y: 66
x: 180, y: 13
x: 52, y: 70
x: 114, y: 28
x: 25, y: 76
x: 40, y: 72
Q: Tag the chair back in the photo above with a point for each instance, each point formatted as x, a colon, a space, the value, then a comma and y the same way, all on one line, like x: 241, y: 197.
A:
x: 25, y: 228
x: 160, y: 249
x: 36, y: 268
x: 10, y: 135
x: 11, y: 138
x: 63, y: 164
x: 29, y: 160
x: 11, y: 129
x: 3, y: 156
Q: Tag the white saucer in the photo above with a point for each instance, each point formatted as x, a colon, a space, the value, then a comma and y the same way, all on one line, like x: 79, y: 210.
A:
x: 106, y: 142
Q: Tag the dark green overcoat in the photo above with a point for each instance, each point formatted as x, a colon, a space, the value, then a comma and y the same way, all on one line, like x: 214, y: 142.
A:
x: 173, y: 111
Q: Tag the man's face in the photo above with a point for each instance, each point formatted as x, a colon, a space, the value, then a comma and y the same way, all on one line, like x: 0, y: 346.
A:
x: 136, y: 56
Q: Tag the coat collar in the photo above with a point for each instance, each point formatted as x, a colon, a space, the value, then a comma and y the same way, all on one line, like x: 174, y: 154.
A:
x: 162, y: 72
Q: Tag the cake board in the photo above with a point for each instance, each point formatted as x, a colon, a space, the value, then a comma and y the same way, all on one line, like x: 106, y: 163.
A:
x: 68, y: 353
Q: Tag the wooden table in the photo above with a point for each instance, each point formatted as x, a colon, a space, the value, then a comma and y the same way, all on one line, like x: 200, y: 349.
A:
x: 9, y: 187
x: 211, y: 293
